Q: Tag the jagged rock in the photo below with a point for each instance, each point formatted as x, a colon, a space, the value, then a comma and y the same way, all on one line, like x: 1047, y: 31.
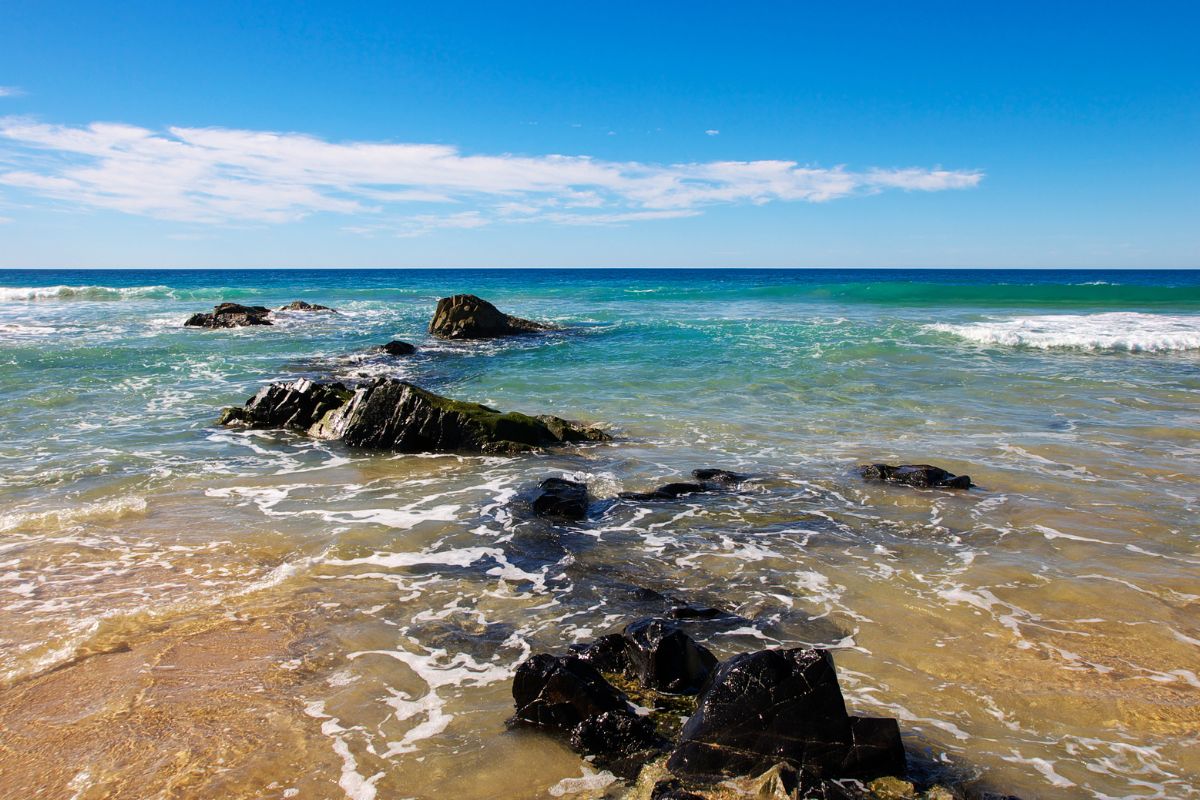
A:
x: 664, y: 658
x: 465, y: 316
x: 300, y: 305
x: 296, y: 406
x: 561, y: 499
x: 721, y: 477
x: 697, y: 612
x: 924, y: 476
x: 230, y: 315
x: 397, y: 348
x: 782, y: 706
x: 568, y: 696
x: 388, y: 414
x: 672, y: 789
x: 668, y: 491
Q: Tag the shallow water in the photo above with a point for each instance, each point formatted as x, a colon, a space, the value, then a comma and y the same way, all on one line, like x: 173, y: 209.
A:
x: 188, y: 611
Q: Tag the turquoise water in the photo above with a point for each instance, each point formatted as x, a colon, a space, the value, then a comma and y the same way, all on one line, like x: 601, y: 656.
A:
x: 1038, y: 635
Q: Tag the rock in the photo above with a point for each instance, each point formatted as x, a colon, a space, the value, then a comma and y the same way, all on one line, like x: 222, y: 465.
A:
x: 672, y: 789
x: 230, y: 315
x: 697, y: 612
x: 393, y: 415
x: 397, y: 348
x: 721, y: 477
x: 668, y: 491
x: 664, y: 658
x: 608, y: 654
x: 561, y: 499
x: 924, y: 476
x: 465, y: 316
x: 300, y: 305
x: 296, y: 406
x: 567, y: 696
x: 782, y: 706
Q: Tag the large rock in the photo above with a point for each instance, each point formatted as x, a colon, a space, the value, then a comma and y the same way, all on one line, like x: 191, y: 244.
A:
x: 465, y: 316
x: 567, y: 696
x: 300, y: 305
x: 230, y: 315
x: 924, y: 476
x: 560, y: 499
x: 389, y: 414
x: 782, y: 706
x: 668, y: 491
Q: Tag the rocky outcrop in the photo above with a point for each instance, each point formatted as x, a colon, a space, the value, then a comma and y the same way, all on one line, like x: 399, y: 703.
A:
x: 782, y: 706
x: 230, y: 315
x: 923, y: 476
x: 668, y: 491
x: 465, y: 316
x: 394, y: 415
x: 719, y: 477
x: 567, y: 696
x: 397, y: 348
x: 773, y: 719
x: 300, y: 305
x: 561, y: 499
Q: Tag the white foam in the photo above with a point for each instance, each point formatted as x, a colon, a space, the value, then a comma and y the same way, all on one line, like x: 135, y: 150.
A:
x: 62, y: 292
x: 589, y: 781
x: 1115, y: 331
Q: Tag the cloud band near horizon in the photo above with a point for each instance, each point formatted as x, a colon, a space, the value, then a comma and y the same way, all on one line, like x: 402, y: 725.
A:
x: 229, y: 176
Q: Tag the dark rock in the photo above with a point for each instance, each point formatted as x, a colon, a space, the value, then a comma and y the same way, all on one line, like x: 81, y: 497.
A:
x: 296, y: 406
x: 721, y: 477
x: 397, y: 348
x: 697, y: 612
x: 668, y: 491
x: 388, y: 414
x: 924, y: 476
x: 561, y: 499
x: 664, y: 658
x: 760, y: 709
x: 300, y: 305
x: 465, y: 316
x: 608, y: 654
x: 230, y: 315
x: 567, y: 696
x: 672, y: 789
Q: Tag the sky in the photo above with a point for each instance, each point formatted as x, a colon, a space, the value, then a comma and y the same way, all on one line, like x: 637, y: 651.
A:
x: 589, y: 134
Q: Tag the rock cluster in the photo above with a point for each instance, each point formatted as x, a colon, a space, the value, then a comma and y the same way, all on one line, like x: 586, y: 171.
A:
x: 465, y: 316
x: 923, y: 476
x: 394, y: 415
x: 230, y: 315
x: 300, y: 305
x: 707, y: 480
x: 753, y: 711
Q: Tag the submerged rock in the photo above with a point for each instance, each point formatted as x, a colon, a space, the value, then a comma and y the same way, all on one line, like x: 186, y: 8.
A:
x: 394, y: 415
x: 230, y: 315
x: 300, y: 305
x: 668, y: 491
x: 721, y: 477
x: 924, y: 476
x: 782, y: 706
x: 569, y: 697
x: 397, y: 348
x: 465, y: 316
x: 561, y: 499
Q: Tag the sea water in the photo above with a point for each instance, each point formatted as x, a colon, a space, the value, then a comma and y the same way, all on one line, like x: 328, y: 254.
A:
x: 187, y: 610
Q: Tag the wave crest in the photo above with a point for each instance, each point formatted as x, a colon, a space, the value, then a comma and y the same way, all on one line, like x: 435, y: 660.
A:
x: 1113, y: 331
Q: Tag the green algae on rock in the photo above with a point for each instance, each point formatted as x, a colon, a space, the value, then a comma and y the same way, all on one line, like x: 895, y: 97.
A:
x: 394, y: 415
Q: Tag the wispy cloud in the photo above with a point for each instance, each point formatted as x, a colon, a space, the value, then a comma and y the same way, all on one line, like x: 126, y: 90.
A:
x: 11, y: 91
x: 221, y: 176
x: 712, y: 132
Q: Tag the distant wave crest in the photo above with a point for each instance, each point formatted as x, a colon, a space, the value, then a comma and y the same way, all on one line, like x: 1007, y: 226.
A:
x: 1113, y: 331
x: 12, y: 293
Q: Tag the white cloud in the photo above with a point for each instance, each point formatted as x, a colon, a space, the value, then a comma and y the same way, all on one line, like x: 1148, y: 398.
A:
x: 713, y: 132
x: 11, y: 91
x: 219, y: 175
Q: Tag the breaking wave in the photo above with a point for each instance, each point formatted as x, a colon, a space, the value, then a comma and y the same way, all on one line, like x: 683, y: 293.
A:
x: 1115, y: 331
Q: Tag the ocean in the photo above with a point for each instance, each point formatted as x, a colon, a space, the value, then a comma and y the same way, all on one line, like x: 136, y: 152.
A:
x: 188, y: 610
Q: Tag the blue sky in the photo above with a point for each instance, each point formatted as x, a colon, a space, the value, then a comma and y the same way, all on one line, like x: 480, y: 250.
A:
x: 600, y: 134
